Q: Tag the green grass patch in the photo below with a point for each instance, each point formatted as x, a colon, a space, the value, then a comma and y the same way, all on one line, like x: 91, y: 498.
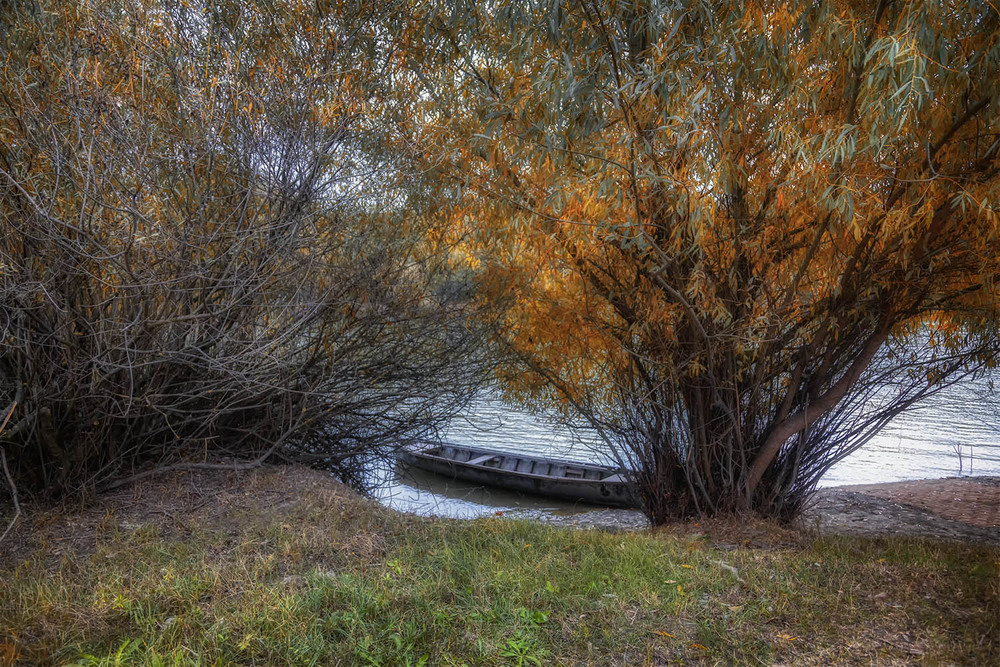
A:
x: 334, y: 580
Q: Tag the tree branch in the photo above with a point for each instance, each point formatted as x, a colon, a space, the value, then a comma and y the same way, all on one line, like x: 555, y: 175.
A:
x: 10, y: 478
x: 806, y: 416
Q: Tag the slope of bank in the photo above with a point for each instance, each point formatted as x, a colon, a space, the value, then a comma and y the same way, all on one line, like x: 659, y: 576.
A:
x: 282, y: 565
x: 957, y: 508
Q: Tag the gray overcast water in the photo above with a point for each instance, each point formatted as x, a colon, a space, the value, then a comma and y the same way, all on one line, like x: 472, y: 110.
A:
x: 954, y: 432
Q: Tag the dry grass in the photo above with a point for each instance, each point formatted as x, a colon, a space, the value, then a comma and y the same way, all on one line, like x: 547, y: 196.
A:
x: 283, y: 566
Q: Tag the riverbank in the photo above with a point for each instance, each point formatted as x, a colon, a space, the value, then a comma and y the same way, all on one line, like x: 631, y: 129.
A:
x: 958, y: 508
x: 282, y: 565
x: 963, y: 509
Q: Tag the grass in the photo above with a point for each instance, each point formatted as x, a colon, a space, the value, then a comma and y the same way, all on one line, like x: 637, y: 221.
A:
x: 275, y: 569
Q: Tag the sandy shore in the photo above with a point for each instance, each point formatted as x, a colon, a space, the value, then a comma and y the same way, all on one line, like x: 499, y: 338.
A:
x: 957, y: 508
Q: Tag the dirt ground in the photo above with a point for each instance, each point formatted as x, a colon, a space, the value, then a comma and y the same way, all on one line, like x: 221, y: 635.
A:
x: 957, y: 508
x: 975, y: 501
x: 173, y: 503
x: 961, y: 509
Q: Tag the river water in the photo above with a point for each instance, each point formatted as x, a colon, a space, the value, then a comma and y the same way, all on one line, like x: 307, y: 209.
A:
x: 954, y: 432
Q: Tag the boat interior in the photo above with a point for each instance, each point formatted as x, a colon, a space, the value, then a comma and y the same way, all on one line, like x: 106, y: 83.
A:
x: 515, y: 463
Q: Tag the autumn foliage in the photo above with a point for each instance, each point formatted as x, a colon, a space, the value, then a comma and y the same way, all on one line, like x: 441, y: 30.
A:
x: 734, y: 237
x: 743, y: 235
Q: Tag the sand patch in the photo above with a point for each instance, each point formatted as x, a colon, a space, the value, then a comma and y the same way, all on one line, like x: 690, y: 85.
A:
x: 972, y: 501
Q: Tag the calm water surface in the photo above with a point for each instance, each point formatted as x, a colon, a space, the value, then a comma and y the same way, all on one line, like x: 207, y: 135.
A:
x: 954, y: 432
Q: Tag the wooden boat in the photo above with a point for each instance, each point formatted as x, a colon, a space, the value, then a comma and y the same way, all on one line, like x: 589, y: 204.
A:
x: 566, y: 480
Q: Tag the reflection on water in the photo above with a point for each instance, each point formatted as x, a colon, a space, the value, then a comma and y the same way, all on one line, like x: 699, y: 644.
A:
x: 954, y: 432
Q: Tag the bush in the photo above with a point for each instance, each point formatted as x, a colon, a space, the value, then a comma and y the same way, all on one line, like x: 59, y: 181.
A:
x: 192, y: 264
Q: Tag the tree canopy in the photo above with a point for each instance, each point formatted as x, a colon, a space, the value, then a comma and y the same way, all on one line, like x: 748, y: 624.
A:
x: 735, y: 237
x: 742, y: 235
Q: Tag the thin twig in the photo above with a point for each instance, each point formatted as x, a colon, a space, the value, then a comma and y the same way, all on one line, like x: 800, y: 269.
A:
x: 174, y: 517
x: 246, y: 465
x: 10, y: 478
x: 13, y: 493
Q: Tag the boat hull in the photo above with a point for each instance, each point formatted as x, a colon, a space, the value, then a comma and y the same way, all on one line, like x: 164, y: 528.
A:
x: 571, y: 481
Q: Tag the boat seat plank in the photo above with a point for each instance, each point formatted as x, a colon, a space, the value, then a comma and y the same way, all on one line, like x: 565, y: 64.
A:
x: 479, y: 460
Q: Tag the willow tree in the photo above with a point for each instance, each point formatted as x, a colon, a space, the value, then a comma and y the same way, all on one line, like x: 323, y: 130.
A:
x: 743, y: 235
